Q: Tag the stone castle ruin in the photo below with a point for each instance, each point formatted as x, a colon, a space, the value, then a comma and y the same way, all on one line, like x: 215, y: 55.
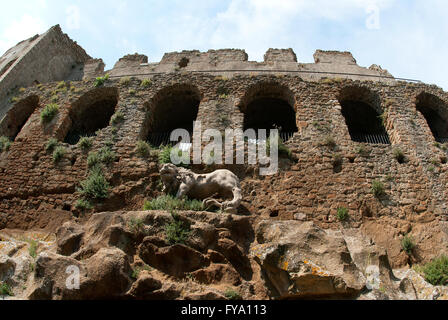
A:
x: 358, y: 139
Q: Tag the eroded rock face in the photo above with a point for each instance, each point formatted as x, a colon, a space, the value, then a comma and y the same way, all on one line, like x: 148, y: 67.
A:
x: 126, y: 255
x: 300, y: 260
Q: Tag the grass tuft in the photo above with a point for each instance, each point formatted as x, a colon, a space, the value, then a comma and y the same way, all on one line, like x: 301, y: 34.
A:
x: 5, y: 144
x: 49, y: 112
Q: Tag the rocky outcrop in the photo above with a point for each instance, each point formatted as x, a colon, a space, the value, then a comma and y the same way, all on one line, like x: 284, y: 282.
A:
x: 300, y: 260
x: 127, y: 255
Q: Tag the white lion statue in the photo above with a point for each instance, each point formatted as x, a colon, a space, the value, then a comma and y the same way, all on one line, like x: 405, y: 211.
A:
x: 183, y: 182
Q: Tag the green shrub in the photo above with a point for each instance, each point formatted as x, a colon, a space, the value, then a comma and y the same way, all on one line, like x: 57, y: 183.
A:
x: 337, y: 160
x: 136, y: 225
x: 232, y: 294
x: 407, y: 244
x: 125, y: 81
x: 95, y: 186
x: 49, y: 112
x: 5, y: 289
x: 93, y: 159
x: 52, y: 143
x: 177, y: 231
x: 117, y: 118
x: 399, y: 156
x: 136, y: 271
x: 5, y: 144
x: 32, y: 249
x: 165, y: 155
x: 106, y: 155
x: 362, y: 150
x: 101, y: 80
x: 143, y: 149
x: 85, y: 143
x: 61, y: 85
x: 169, y: 202
x: 342, y: 214
x: 58, y: 154
x: 83, y: 204
x: 329, y: 142
x: 132, y: 92
x: 436, y: 271
x: 378, y: 188
x: 283, y: 150
x: 145, y: 83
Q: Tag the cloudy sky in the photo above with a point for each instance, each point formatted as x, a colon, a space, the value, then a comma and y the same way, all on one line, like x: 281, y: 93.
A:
x: 407, y: 37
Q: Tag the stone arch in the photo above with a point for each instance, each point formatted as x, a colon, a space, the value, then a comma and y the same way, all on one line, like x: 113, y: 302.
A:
x: 270, y: 105
x: 362, y: 111
x: 173, y: 107
x: 91, y: 112
x: 17, y: 116
x: 435, y: 111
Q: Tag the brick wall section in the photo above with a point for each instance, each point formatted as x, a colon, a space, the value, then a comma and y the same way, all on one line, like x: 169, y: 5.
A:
x: 31, y: 185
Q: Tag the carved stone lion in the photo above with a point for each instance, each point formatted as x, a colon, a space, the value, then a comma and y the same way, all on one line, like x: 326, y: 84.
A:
x: 183, y: 182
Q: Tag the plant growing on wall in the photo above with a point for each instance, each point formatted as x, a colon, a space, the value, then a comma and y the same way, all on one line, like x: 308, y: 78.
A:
x: 378, y: 188
x: 177, y: 231
x: 58, y: 154
x: 5, y: 144
x: 49, y: 112
x: 99, y: 81
x: 95, y: 186
x: 407, y: 244
x: 85, y: 143
x: 342, y: 214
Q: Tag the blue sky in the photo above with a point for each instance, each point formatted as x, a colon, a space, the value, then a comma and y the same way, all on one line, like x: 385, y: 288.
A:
x: 407, y: 37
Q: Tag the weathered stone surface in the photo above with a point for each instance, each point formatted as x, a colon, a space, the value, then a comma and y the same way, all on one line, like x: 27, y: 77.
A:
x: 108, y: 274
x: 301, y: 260
x: 144, y: 286
x: 174, y: 260
x: 50, y: 278
x: 68, y: 238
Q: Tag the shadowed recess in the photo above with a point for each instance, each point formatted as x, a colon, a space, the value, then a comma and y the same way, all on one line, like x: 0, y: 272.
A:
x: 174, y: 107
x: 17, y: 117
x: 435, y: 112
x: 91, y: 113
x: 270, y: 106
x: 362, y: 111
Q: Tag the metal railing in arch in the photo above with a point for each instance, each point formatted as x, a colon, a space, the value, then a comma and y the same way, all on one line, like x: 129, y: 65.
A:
x: 379, y: 138
x: 163, y: 138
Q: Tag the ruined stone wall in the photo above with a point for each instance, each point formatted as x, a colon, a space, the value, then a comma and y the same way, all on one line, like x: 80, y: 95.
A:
x: 229, y: 62
x: 49, y: 57
x: 34, y: 190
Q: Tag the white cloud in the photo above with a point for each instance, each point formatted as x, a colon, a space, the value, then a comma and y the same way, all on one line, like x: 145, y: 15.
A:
x: 20, y: 29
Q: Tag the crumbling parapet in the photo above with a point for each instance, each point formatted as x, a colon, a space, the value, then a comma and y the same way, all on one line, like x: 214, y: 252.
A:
x: 93, y: 68
x: 283, y: 55
x: 321, y: 56
x: 131, y: 60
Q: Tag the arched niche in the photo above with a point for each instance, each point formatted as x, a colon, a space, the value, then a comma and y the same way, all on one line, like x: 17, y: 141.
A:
x: 91, y: 112
x: 17, y: 117
x: 269, y: 105
x: 173, y: 107
x: 435, y: 112
x: 362, y: 111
